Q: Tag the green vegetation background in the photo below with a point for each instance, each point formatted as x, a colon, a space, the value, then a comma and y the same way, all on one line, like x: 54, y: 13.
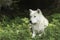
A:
x: 18, y: 28
x: 13, y: 27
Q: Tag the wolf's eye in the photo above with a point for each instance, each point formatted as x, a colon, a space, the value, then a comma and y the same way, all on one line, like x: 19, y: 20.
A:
x: 34, y: 16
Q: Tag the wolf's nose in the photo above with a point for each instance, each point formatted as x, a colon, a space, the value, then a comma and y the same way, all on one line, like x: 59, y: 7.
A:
x: 30, y: 22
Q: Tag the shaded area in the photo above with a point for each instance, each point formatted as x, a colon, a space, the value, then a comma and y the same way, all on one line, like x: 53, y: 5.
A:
x: 20, y: 7
x: 33, y: 4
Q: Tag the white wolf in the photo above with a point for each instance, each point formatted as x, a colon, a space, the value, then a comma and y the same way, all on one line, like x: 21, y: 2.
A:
x: 38, y: 22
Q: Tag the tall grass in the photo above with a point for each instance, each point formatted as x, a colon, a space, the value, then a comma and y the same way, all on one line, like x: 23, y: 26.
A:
x: 18, y: 29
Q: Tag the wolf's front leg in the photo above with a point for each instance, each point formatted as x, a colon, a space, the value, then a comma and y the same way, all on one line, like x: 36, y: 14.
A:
x: 42, y: 32
x: 33, y: 34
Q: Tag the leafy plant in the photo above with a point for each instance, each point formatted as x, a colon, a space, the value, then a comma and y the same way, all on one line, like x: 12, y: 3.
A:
x: 18, y: 29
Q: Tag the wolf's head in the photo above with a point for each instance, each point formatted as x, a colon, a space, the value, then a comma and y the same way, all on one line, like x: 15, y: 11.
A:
x: 35, y: 15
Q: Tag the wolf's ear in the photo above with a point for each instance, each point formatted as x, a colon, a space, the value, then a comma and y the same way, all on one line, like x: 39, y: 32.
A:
x: 30, y: 10
x: 38, y: 10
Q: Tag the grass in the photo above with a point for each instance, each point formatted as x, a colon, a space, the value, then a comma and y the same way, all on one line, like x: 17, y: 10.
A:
x: 18, y: 28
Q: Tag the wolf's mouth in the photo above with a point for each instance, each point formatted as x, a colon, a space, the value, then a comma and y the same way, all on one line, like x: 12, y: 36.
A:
x: 33, y: 23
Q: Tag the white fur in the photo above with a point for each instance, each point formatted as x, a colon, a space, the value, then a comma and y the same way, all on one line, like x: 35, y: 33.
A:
x: 39, y: 22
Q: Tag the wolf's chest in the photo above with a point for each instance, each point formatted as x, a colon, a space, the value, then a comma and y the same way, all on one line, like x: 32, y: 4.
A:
x: 38, y: 27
